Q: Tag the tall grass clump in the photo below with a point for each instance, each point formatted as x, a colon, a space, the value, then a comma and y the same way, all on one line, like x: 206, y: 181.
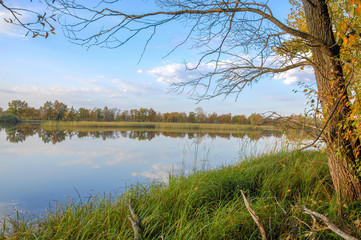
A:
x: 208, y: 205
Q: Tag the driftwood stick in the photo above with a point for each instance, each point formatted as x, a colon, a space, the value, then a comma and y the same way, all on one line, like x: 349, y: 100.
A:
x: 329, y: 224
x: 134, y: 220
x: 255, y: 217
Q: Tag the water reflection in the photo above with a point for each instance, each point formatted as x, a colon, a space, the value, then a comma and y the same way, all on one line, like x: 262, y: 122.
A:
x: 21, y: 132
x: 34, y: 172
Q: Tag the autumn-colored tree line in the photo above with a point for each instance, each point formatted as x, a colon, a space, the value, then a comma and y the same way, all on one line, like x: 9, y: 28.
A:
x: 59, y: 111
x: 22, y: 132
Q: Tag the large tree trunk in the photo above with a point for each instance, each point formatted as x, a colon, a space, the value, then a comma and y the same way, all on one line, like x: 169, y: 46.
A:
x: 331, y: 83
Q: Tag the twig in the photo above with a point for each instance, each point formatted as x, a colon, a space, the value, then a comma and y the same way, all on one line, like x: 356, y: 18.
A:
x: 283, y: 211
x: 255, y: 217
x: 134, y: 220
x: 329, y: 224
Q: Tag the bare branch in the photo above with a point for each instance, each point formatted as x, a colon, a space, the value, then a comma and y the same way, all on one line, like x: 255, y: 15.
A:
x: 135, y: 221
x: 329, y: 224
x: 255, y: 217
x: 225, y: 8
x: 233, y: 77
x: 227, y: 30
x: 42, y: 26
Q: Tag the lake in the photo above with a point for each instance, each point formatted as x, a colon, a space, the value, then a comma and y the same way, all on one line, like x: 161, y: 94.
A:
x: 39, y: 167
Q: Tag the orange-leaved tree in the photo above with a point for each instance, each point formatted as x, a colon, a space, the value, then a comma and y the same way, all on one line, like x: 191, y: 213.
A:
x: 337, y: 72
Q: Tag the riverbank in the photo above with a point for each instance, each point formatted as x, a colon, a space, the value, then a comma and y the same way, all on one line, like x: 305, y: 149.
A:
x: 209, y: 205
x: 156, y: 126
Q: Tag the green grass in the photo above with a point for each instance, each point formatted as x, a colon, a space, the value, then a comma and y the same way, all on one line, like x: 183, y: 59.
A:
x: 155, y: 126
x: 208, y: 205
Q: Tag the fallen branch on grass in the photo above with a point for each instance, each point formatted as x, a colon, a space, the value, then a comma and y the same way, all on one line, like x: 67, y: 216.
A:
x: 255, y: 217
x: 329, y: 224
x: 135, y: 221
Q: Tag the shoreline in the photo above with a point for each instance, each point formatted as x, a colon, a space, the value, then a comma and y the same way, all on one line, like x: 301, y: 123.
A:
x: 207, y: 205
x: 157, y: 125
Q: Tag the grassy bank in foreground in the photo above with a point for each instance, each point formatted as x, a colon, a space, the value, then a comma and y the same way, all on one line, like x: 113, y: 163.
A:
x: 208, y: 205
x: 154, y: 125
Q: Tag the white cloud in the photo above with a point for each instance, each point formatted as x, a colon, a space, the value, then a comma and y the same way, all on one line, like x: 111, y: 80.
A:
x: 132, y: 88
x: 118, y: 159
x: 171, y: 73
x: 36, y: 96
x: 98, y: 159
x: 79, y: 92
x: 176, y: 73
x: 113, y: 88
x: 296, y: 75
x: 159, y: 171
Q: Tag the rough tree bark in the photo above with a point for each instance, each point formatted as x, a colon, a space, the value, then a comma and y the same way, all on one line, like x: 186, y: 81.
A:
x: 331, y: 84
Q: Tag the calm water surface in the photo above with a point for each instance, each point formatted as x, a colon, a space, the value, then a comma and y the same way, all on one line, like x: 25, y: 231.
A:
x: 39, y: 167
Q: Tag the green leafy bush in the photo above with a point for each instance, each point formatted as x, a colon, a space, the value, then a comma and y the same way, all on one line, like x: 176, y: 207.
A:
x: 9, y: 119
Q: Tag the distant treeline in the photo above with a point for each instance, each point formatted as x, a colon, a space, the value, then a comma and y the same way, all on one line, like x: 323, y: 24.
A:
x: 59, y: 111
x: 22, y: 132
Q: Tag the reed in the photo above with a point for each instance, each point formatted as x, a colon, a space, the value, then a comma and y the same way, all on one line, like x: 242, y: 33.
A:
x: 207, y: 205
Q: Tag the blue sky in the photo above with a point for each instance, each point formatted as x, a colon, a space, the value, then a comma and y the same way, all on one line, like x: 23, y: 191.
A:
x: 37, y: 70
